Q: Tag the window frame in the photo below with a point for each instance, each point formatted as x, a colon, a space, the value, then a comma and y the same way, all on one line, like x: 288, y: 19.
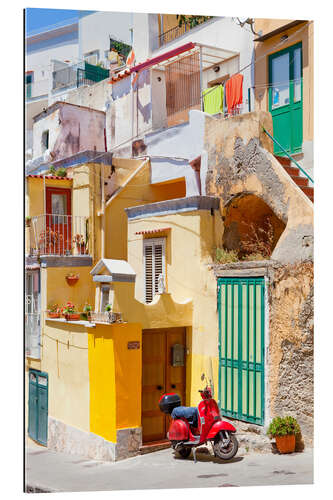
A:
x: 153, y: 242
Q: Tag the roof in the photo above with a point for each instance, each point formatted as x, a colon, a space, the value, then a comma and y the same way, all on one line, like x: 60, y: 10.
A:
x: 118, y: 271
x: 53, y: 177
x: 278, y: 31
x: 152, y: 231
x: 56, y: 105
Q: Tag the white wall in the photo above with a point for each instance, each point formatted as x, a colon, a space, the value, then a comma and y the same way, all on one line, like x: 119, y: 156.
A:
x: 94, y: 31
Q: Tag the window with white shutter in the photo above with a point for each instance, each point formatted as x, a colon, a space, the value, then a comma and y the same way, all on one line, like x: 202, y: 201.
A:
x: 154, y: 265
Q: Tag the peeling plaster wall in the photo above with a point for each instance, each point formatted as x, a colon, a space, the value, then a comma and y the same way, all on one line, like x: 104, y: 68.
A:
x: 240, y: 162
x: 71, y: 129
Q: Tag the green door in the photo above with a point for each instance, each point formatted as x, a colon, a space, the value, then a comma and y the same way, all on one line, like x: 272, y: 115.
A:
x: 241, y: 309
x: 38, y: 406
x: 286, y: 98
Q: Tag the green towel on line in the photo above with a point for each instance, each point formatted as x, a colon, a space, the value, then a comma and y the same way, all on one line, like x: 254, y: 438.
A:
x: 213, y: 100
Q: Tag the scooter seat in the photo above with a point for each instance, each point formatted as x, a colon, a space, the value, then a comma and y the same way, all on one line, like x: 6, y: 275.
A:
x: 191, y: 414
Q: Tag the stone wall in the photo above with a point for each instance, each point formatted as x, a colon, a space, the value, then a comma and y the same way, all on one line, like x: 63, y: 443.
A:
x: 291, y: 344
x: 68, y: 439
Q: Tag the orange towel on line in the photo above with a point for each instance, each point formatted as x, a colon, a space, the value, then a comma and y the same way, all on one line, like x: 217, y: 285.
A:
x: 234, y: 91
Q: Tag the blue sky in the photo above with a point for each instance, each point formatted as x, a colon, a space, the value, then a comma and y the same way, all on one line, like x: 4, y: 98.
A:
x: 38, y: 19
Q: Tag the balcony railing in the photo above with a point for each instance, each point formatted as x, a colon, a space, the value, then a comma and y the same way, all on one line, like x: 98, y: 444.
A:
x: 106, y: 317
x: 176, y: 32
x: 32, y: 335
x: 60, y: 235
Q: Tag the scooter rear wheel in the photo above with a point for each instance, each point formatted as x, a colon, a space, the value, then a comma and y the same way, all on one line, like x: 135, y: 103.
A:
x: 184, y: 452
x: 225, y: 452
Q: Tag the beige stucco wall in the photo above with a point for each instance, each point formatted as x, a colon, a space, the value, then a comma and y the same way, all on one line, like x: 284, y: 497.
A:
x: 301, y: 33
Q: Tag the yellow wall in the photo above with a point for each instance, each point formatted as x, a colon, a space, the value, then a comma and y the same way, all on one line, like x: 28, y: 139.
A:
x: 263, y: 50
x: 35, y: 193
x: 138, y: 191
x: 115, y: 379
x: 65, y: 359
x: 60, y: 292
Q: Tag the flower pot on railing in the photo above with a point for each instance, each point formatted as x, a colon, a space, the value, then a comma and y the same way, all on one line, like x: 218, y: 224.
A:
x: 72, y: 316
x: 51, y: 314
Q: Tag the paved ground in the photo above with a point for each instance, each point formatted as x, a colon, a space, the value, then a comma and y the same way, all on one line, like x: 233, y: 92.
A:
x: 51, y: 471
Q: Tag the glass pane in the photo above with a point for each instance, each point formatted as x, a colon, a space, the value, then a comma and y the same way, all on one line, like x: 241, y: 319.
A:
x: 280, y: 81
x: 59, y: 204
x: 297, y: 75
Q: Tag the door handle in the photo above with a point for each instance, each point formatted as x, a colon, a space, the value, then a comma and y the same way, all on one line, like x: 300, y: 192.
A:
x: 173, y: 386
x: 159, y: 387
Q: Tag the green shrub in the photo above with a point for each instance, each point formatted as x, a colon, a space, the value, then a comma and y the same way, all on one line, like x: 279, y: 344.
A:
x: 282, y: 426
x: 61, y: 172
x: 224, y: 256
x: 108, y: 307
x: 52, y: 169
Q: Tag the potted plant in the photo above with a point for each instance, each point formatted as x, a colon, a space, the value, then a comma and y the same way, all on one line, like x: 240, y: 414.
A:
x: 53, y: 311
x: 284, y: 430
x: 28, y: 221
x: 72, y: 278
x: 108, y: 310
x: 86, y: 315
x: 80, y: 244
x: 69, y: 312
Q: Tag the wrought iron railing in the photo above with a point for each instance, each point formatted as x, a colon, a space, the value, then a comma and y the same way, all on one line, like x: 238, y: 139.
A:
x: 176, y: 32
x: 32, y: 335
x: 61, y: 235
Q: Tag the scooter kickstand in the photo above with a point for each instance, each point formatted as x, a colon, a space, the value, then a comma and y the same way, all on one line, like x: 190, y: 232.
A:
x: 195, y: 455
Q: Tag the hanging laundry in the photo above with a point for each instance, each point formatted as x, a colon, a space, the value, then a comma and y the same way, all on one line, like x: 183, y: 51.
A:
x: 213, y: 100
x: 234, y: 92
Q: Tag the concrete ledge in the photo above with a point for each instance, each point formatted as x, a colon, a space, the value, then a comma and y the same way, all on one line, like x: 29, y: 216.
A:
x: 67, y: 261
x: 177, y: 205
x: 87, y: 324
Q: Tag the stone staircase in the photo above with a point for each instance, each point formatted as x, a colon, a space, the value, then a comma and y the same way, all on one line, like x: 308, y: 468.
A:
x: 294, y: 173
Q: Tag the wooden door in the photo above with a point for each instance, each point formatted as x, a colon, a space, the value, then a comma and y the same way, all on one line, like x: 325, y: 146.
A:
x: 158, y: 377
x: 58, y: 233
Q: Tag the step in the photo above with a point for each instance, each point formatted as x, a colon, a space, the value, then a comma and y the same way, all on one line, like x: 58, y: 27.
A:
x: 285, y: 161
x: 154, y: 446
x: 292, y: 170
x: 309, y: 191
x: 300, y: 181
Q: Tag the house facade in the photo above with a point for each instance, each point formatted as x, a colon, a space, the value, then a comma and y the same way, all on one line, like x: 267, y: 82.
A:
x: 193, y: 247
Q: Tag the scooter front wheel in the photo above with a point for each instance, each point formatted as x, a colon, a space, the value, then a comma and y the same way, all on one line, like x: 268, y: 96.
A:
x: 225, y: 447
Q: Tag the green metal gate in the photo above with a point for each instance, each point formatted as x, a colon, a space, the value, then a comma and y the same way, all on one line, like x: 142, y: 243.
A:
x: 241, y: 310
x: 38, y: 406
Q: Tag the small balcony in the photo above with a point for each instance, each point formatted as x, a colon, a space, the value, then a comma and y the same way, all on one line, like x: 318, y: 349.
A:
x: 177, y: 31
x: 59, y: 235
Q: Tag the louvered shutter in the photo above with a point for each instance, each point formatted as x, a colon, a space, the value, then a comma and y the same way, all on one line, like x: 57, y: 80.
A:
x: 154, y: 264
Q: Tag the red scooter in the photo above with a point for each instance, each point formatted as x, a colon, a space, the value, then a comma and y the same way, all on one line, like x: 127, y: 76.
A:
x: 193, y: 427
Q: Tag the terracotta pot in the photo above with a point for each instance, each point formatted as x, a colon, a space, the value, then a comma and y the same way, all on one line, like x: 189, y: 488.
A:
x: 286, y: 444
x: 71, y: 280
x: 53, y: 315
x: 72, y: 316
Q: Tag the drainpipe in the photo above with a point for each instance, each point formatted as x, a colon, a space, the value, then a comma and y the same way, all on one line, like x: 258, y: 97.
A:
x: 201, y: 82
